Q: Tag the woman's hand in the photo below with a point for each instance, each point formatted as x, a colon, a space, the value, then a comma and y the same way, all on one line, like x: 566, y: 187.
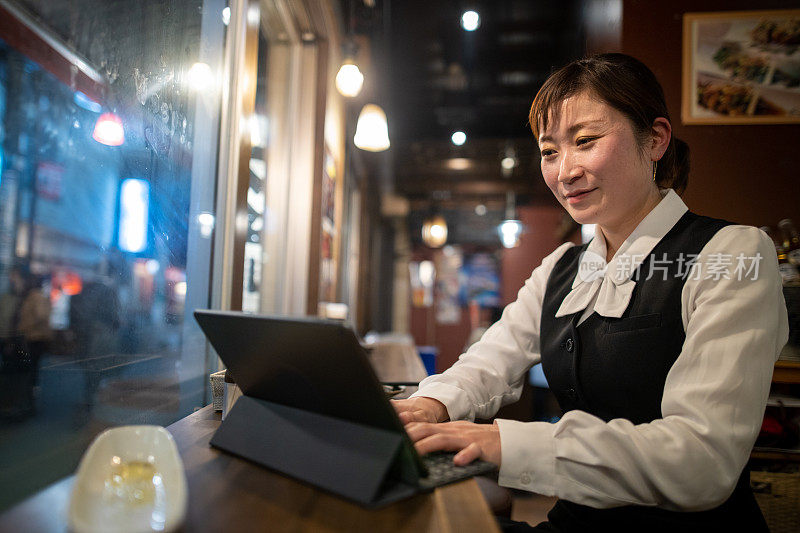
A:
x: 420, y: 409
x: 471, y: 441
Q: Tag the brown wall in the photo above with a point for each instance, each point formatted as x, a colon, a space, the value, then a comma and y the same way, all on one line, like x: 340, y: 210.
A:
x: 516, y: 266
x: 540, y: 239
x: 448, y: 338
x: 746, y: 174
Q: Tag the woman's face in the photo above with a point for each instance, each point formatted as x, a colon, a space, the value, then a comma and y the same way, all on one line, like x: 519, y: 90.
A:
x: 593, y: 163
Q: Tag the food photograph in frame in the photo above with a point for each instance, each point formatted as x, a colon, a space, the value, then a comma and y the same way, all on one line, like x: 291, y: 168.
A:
x: 741, y: 67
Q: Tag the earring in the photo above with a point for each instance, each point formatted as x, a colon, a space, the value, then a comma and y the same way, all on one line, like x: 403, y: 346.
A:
x: 655, y: 166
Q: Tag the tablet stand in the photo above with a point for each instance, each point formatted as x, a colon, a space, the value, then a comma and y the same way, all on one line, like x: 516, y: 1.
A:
x: 342, y: 457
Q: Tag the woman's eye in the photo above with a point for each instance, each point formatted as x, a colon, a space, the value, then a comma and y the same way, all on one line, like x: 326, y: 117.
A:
x: 548, y: 152
x: 584, y: 140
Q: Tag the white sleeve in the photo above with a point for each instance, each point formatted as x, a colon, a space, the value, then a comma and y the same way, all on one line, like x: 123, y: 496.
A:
x: 712, y: 406
x: 492, y: 371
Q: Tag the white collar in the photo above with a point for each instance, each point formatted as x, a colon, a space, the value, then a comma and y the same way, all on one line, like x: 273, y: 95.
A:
x: 613, y: 280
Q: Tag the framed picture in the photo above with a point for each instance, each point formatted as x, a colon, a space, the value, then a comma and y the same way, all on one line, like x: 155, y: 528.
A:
x: 741, y: 67
x: 330, y: 227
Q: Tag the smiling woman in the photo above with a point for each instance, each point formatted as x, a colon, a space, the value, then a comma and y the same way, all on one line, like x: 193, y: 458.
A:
x: 657, y: 337
x: 601, y: 137
x: 598, y: 168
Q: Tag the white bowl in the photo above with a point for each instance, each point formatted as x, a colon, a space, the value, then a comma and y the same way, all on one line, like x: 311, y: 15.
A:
x: 131, y: 479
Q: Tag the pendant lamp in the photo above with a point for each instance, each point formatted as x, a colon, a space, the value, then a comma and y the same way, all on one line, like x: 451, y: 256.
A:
x: 349, y: 79
x: 511, y: 228
x: 372, y: 132
x: 434, y: 231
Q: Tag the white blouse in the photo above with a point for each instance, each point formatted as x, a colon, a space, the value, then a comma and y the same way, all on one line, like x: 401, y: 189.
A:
x: 735, y: 321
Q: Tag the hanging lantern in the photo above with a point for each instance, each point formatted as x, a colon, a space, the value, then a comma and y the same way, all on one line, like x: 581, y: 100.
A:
x: 434, y: 231
x: 349, y: 79
x: 108, y: 130
x: 372, y: 132
x: 510, y: 229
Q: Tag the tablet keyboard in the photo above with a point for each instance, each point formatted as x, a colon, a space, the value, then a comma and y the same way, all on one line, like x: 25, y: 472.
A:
x: 442, y: 471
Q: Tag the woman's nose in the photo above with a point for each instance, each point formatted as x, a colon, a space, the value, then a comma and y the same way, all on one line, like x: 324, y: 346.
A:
x: 569, y: 169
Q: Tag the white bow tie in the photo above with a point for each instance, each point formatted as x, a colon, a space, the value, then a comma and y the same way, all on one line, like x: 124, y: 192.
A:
x: 612, y: 300
x: 612, y: 282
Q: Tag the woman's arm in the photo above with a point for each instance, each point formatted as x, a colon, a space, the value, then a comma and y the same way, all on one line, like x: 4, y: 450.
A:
x: 491, y: 373
x: 712, y: 405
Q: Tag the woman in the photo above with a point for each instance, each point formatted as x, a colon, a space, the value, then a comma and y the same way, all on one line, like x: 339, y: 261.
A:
x: 658, y: 338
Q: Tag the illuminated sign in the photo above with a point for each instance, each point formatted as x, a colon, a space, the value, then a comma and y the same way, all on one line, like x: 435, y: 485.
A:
x: 133, y: 215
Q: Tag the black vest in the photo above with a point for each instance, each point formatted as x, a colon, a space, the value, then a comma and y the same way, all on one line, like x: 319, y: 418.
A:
x: 617, y: 367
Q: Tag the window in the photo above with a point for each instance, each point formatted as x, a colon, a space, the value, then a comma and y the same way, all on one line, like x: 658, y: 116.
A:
x: 109, y: 128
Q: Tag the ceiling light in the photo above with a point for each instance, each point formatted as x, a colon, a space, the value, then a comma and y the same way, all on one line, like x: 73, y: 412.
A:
x: 458, y: 138
x: 458, y: 163
x: 434, y: 231
x: 480, y: 210
x: 349, y: 80
x: 470, y: 20
x: 372, y: 131
x: 226, y: 16
x: 200, y: 77
x: 508, y: 163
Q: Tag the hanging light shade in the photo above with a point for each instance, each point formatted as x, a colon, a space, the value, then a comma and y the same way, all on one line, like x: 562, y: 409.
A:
x: 108, y: 130
x: 372, y: 132
x: 349, y: 80
x: 434, y: 231
x: 510, y: 231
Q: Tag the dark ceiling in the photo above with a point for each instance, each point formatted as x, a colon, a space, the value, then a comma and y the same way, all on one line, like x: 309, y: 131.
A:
x: 440, y: 78
x: 444, y: 78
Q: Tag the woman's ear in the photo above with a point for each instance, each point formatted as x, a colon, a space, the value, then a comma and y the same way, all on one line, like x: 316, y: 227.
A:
x: 662, y: 133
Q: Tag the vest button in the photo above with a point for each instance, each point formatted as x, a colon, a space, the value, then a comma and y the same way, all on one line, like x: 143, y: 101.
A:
x: 570, y: 344
x: 572, y: 394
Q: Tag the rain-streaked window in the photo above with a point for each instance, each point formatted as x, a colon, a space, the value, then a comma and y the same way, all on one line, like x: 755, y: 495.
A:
x: 109, y: 124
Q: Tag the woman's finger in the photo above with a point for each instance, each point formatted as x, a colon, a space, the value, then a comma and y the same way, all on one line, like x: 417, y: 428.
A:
x: 440, y: 442
x: 401, y: 405
x: 468, y: 454
x: 419, y: 430
x: 408, y: 417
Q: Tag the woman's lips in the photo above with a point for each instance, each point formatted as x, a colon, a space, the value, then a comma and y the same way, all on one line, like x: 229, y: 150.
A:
x: 575, y: 198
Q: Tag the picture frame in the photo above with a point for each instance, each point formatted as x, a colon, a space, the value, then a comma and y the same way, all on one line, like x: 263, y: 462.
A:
x: 741, y: 67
